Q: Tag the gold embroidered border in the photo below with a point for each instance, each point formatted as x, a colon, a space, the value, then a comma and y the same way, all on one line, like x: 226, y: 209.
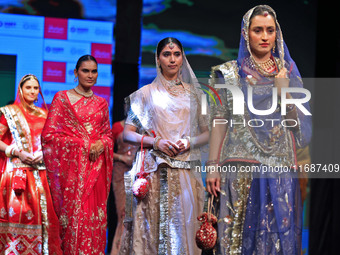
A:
x: 43, y: 206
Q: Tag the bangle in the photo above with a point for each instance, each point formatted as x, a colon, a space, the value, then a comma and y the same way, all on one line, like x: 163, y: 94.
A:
x: 155, y: 141
x: 211, y: 162
x: 8, y: 150
x: 290, y: 107
x: 189, y: 140
x: 12, y: 152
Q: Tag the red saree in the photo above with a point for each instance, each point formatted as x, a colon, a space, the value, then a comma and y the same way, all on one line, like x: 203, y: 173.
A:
x: 79, y: 187
x: 28, y: 223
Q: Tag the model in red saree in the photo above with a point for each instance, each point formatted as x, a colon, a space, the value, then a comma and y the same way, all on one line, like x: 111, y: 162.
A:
x: 28, y: 223
x: 79, y: 186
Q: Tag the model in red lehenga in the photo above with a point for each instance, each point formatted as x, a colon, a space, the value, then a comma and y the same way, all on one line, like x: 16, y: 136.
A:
x: 28, y: 223
x: 78, y: 151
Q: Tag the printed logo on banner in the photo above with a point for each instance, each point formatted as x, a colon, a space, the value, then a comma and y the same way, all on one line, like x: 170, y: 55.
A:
x: 79, y: 30
x: 8, y: 24
x: 102, y: 52
x: 54, y: 71
x: 55, y: 50
x: 55, y: 28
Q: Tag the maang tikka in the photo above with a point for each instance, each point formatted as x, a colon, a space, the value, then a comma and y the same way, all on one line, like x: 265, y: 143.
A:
x: 171, y: 44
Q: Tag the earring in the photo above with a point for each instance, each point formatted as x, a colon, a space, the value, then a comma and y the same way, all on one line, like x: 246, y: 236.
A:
x: 274, y: 48
x: 75, y: 79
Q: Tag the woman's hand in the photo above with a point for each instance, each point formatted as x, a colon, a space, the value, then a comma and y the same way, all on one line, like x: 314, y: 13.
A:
x: 281, y: 80
x: 213, y: 180
x: 213, y: 185
x: 183, y: 145
x: 95, y: 150
x: 38, y: 159
x: 169, y: 148
x: 26, y: 158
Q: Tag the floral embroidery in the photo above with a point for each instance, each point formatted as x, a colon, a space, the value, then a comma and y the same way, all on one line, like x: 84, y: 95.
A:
x: 3, y: 212
x: 11, y: 212
x: 20, y: 247
x: 67, y: 160
x: 29, y: 215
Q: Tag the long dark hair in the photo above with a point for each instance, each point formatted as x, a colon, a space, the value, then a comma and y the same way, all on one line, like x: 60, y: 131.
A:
x: 162, y: 43
x: 85, y: 58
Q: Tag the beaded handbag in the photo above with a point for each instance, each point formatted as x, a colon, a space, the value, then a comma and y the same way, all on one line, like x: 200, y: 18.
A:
x: 141, y: 185
x: 206, y: 236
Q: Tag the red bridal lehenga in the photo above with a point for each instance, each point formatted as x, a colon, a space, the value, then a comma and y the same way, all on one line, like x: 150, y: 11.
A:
x: 79, y: 186
x: 28, y: 223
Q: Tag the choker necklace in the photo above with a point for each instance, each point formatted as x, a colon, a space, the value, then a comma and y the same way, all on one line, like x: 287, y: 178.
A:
x: 85, y: 94
x: 268, y: 65
x: 175, y: 82
x: 266, y: 68
x: 173, y: 86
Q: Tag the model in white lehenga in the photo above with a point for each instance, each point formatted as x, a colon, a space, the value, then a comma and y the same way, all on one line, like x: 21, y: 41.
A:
x: 165, y: 222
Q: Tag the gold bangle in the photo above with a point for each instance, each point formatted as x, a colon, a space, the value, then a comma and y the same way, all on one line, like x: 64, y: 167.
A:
x: 9, y: 149
x: 155, y: 141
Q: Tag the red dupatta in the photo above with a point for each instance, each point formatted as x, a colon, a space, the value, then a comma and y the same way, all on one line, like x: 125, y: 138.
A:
x: 67, y: 136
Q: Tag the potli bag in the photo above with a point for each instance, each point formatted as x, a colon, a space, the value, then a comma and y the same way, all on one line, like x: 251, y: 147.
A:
x: 206, y: 236
x: 141, y: 185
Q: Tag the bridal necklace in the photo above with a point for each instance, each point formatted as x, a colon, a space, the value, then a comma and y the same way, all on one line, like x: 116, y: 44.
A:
x: 266, y: 68
x: 268, y: 65
x: 83, y: 93
x: 174, y: 87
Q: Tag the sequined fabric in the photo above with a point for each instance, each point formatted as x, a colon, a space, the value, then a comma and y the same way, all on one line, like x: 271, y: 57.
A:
x: 259, y: 215
x: 165, y: 222
x: 259, y: 212
x: 29, y: 224
x: 79, y: 187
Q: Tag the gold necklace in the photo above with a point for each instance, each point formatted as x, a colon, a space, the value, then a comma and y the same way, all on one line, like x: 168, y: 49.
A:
x: 173, y: 86
x: 85, y: 94
x: 252, y: 63
x: 268, y: 65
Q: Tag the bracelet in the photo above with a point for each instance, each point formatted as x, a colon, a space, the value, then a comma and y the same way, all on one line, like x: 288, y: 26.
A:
x: 211, y: 162
x: 12, y: 152
x: 189, y: 140
x: 9, y: 149
x: 290, y: 107
x: 155, y: 141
